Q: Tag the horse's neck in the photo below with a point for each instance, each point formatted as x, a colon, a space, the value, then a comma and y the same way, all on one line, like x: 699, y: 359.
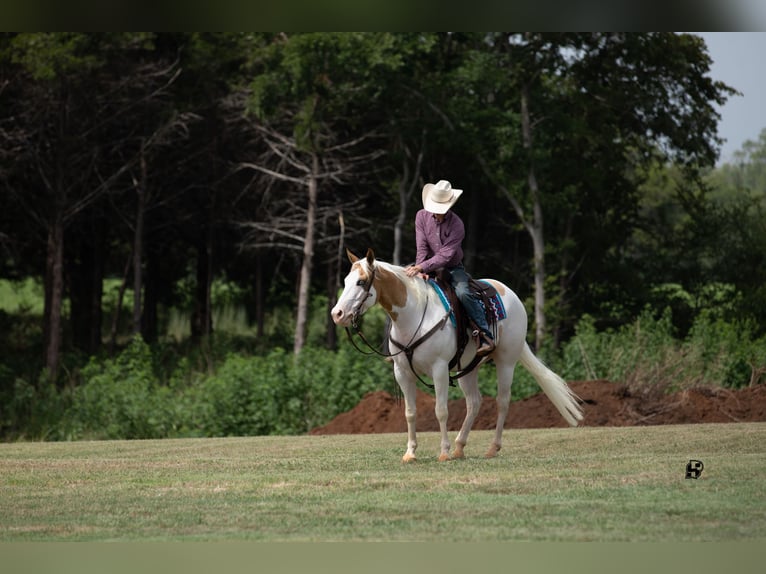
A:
x: 421, y: 305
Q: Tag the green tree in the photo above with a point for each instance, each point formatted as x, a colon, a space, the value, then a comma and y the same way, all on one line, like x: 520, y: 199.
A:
x: 56, y: 129
x: 735, y: 250
x: 594, y: 109
x: 313, y: 98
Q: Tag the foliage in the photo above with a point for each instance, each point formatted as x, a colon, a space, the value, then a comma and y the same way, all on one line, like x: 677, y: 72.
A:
x: 191, y: 109
x: 246, y: 397
x: 728, y: 354
x: 648, y: 356
x: 97, y: 128
x: 121, y: 398
x: 33, y: 412
x: 172, y: 390
x: 127, y: 397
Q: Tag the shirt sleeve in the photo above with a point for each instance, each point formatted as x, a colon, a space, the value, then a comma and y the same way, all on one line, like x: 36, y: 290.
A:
x: 451, y: 251
x: 421, y: 238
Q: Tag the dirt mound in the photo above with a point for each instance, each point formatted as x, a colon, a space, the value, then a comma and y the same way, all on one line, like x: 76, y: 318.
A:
x: 604, y: 404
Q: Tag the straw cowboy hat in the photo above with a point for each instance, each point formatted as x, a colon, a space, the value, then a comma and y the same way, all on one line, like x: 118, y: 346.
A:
x: 439, y: 197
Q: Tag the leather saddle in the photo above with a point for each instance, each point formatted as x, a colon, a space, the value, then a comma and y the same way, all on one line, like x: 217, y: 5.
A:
x: 465, y: 327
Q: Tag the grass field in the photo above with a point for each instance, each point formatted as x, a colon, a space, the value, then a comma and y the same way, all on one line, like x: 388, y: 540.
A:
x: 587, y: 484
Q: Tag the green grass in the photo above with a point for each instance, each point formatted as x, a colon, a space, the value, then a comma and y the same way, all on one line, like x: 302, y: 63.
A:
x: 601, y: 484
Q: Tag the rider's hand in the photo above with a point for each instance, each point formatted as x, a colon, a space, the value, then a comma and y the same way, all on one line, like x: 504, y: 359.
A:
x: 414, y: 270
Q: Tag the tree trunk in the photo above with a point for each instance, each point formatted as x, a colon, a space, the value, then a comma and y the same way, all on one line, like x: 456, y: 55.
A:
x: 535, y: 227
x: 473, y: 231
x: 86, y: 289
x: 97, y: 288
x: 564, y: 279
x: 308, y: 259
x: 138, y: 247
x: 259, y: 297
x: 79, y: 265
x: 401, y: 218
x: 407, y: 186
x: 334, y: 283
x: 118, y: 308
x: 149, y: 328
x: 54, y: 294
x: 332, y: 298
x: 202, y: 317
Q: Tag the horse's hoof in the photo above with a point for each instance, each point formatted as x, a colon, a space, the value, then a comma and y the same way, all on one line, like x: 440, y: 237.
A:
x: 443, y: 457
x: 409, y: 458
x: 492, y: 452
x: 458, y: 452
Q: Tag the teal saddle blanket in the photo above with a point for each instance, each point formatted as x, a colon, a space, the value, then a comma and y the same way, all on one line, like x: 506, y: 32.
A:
x: 497, y: 308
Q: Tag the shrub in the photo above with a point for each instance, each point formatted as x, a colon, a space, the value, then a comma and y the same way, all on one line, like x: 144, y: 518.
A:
x: 161, y: 391
x: 281, y: 394
x: 242, y: 398
x: 120, y: 399
x: 639, y: 354
x: 646, y: 354
x: 33, y: 411
x: 726, y: 354
x: 335, y: 382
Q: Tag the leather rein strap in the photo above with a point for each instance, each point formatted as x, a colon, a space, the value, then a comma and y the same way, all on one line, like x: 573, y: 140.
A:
x: 409, y: 348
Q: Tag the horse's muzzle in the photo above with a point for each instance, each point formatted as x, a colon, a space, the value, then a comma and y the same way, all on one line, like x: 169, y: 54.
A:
x: 340, y: 317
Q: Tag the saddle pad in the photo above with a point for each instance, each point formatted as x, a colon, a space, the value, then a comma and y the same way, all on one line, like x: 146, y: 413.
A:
x: 495, y: 302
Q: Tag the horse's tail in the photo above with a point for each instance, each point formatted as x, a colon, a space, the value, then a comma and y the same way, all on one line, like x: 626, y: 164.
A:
x: 554, y: 387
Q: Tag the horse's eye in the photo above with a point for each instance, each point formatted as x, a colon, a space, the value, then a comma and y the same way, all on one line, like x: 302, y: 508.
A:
x: 361, y: 283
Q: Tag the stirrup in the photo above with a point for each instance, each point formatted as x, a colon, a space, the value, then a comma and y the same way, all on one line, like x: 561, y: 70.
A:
x: 486, y: 346
x: 485, y: 349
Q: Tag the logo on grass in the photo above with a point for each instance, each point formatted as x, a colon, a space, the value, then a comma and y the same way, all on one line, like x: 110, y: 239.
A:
x: 694, y: 469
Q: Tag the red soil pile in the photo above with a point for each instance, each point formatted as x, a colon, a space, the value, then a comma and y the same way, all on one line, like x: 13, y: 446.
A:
x: 604, y: 404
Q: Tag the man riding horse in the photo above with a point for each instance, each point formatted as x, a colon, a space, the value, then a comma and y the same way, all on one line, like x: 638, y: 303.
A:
x: 439, y: 235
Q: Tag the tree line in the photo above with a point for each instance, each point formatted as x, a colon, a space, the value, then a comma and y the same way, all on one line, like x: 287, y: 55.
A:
x: 169, y: 158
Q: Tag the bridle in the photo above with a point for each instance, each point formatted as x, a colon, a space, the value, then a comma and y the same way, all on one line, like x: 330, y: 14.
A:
x: 409, y: 348
x: 356, y: 312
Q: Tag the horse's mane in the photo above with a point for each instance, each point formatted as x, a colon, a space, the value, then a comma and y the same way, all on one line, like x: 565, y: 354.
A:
x: 398, y: 270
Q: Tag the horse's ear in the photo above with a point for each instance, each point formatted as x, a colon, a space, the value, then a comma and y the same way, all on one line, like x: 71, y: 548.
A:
x: 370, y: 256
x: 351, y: 257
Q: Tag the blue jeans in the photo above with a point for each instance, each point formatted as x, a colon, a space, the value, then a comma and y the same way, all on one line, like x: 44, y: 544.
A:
x: 470, y: 301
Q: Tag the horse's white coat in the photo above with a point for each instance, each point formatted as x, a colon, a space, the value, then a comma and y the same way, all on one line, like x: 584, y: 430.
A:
x: 432, y: 357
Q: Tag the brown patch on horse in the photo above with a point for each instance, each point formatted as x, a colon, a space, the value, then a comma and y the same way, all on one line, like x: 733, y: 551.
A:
x: 499, y: 287
x: 360, y: 269
x: 391, y: 291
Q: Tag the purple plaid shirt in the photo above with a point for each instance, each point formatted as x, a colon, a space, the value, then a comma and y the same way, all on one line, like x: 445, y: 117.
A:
x: 438, y: 244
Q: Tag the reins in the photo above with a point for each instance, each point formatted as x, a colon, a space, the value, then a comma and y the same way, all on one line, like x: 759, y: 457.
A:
x: 409, y: 348
x: 355, y: 322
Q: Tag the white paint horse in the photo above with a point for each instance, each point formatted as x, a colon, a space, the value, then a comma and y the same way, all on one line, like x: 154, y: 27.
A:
x: 415, y: 309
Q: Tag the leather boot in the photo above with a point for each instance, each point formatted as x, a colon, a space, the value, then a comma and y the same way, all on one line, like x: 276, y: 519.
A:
x: 486, y: 345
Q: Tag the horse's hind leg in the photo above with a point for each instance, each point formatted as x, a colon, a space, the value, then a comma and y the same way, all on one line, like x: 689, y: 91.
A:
x: 469, y: 384
x: 504, y: 381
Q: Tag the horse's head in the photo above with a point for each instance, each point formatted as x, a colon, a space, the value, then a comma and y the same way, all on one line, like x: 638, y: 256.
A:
x: 359, y: 294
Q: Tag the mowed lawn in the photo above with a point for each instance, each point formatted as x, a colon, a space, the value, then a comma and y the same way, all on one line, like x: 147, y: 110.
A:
x: 585, y: 484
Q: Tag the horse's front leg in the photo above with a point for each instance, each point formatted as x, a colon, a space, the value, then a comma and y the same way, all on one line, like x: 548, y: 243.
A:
x: 407, y: 383
x: 440, y: 376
